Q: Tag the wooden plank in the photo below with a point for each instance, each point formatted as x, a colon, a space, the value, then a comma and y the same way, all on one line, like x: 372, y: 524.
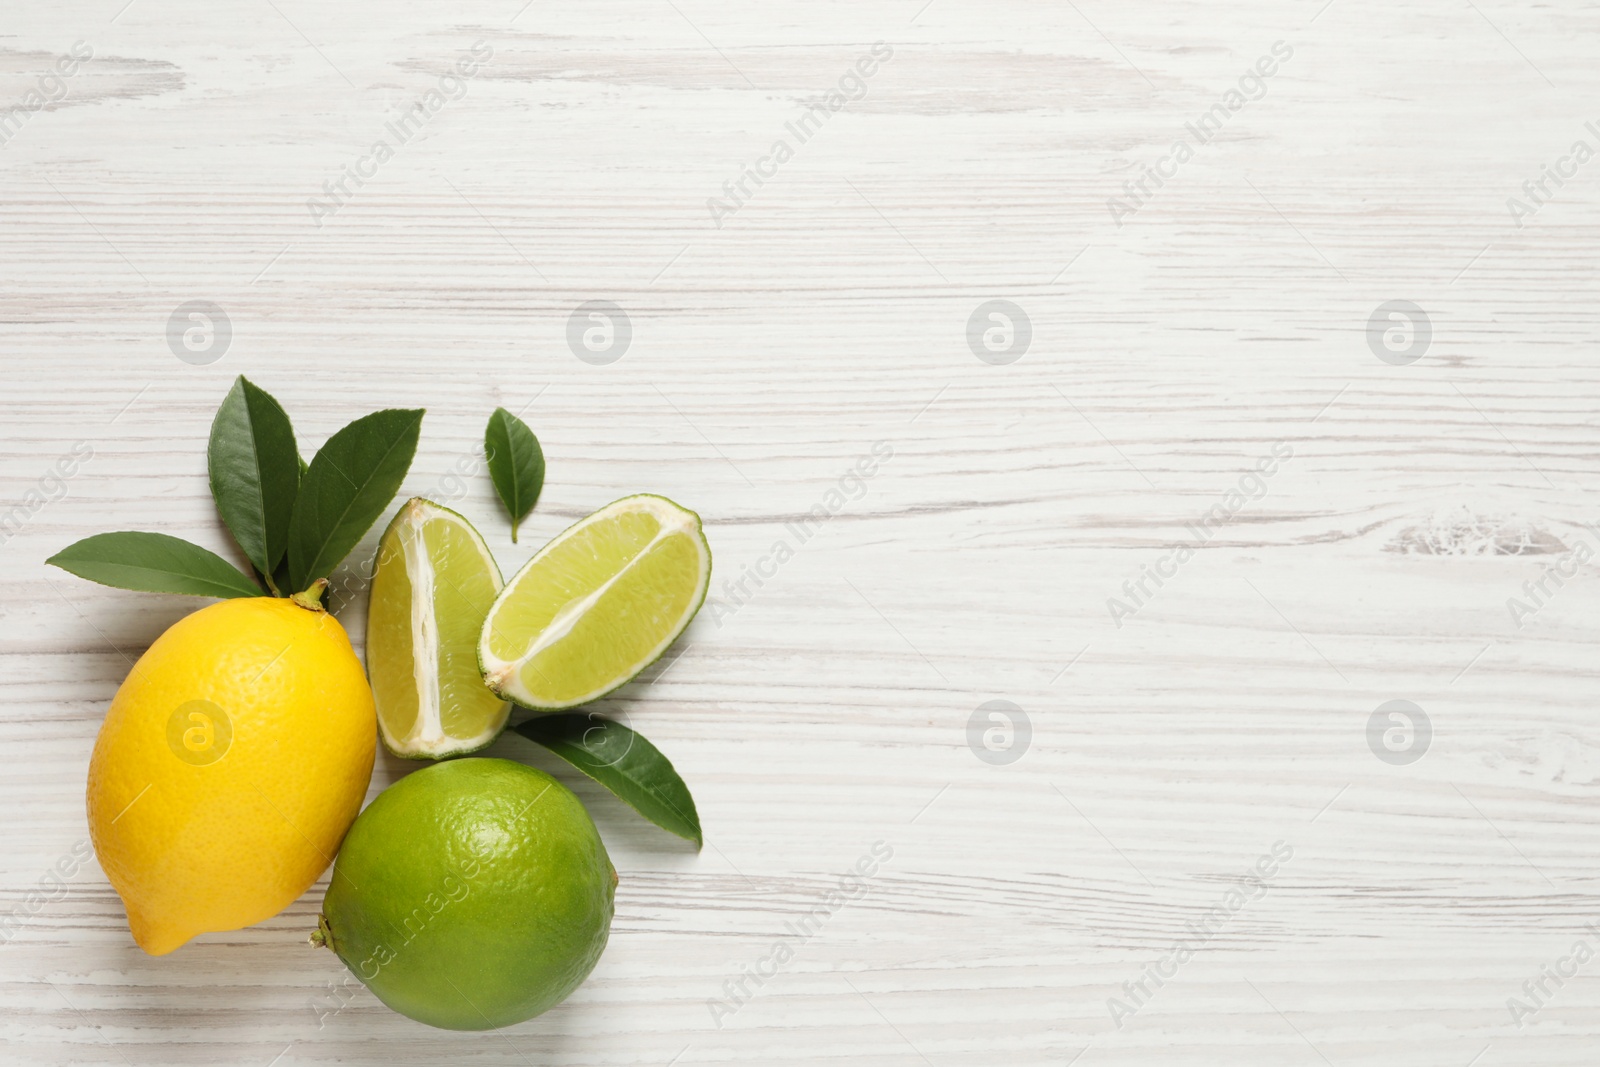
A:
x: 1179, y: 731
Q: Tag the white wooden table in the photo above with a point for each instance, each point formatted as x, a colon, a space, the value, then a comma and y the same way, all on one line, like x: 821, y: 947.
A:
x: 1171, y: 341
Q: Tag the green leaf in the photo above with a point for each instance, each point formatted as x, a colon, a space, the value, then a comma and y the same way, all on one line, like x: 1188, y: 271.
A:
x: 153, y: 563
x: 255, y: 472
x: 280, y: 577
x: 516, y: 463
x: 347, y: 487
x: 622, y: 761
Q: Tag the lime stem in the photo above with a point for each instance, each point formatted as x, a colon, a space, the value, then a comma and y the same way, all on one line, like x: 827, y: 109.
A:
x: 311, y: 599
x: 322, y: 937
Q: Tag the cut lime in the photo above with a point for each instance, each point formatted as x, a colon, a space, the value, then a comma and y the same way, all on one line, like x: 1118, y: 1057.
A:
x: 432, y: 587
x: 597, y: 605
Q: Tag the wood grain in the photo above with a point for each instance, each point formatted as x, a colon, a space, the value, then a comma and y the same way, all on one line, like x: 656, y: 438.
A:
x: 828, y: 709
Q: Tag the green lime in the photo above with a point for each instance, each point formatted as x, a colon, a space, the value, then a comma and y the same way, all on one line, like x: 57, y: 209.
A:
x: 431, y: 590
x: 596, y: 605
x: 470, y: 895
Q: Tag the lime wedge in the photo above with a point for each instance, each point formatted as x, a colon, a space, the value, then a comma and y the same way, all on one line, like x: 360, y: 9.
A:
x: 596, y: 605
x: 431, y: 590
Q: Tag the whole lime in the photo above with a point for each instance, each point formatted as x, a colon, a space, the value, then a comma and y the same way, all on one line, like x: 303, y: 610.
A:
x: 471, y: 895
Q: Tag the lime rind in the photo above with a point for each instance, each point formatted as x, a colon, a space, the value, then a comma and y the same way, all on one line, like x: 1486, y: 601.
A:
x: 471, y: 895
x: 423, y: 668
x: 505, y: 676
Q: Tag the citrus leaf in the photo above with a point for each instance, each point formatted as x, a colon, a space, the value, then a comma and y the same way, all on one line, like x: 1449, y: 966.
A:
x: 516, y: 463
x: 280, y: 577
x: 624, y: 762
x: 255, y: 472
x: 346, y: 488
x: 153, y: 563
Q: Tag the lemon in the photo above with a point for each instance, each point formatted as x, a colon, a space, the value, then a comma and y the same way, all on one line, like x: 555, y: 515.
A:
x: 431, y: 590
x: 596, y: 605
x: 471, y: 895
x: 229, y: 767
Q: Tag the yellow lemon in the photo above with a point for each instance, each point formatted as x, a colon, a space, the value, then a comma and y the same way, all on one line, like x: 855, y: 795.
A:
x: 232, y: 761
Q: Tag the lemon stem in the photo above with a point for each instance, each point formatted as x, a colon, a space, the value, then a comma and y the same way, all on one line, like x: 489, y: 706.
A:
x: 311, y: 599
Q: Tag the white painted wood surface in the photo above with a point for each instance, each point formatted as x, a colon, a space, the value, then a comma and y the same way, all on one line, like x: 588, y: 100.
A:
x: 768, y: 354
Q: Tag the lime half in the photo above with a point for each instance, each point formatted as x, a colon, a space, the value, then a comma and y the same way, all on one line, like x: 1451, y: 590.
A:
x: 431, y: 590
x: 596, y: 605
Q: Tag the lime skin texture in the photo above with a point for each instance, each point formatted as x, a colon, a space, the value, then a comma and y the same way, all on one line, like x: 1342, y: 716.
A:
x: 470, y: 895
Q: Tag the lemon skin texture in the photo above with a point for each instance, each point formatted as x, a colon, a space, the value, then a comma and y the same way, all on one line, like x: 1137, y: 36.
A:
x: 232, y: 761
x: 471, y: 895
